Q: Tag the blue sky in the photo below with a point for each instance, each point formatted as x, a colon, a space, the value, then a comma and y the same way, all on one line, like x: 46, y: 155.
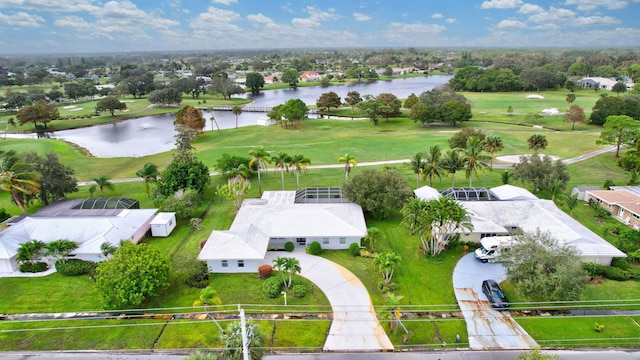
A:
x: 84, y: 26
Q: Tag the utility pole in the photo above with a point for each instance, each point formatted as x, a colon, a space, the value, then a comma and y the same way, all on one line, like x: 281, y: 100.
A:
x: 245, y: 340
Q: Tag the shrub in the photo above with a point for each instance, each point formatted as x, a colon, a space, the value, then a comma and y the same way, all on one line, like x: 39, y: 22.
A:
x: 289, y: 246
x: 299, y: 291
x: 35, y: 267
x: 614, y: 273
x: 354, y: 249
x: 265, y: 271
x: 315, y: 248
x: 272, y: 286
x: 385, y: 287
x: 199, y: 276
x: 620, y: 263
x: 598, y: 327
x: 634, y: 274
x: 367, y: 254
x: 74, y: 267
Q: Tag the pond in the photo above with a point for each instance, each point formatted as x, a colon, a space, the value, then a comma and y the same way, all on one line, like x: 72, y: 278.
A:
x: 155, y: 134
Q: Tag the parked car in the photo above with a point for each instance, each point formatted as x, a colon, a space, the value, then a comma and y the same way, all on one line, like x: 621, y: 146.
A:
x: 494, y: 294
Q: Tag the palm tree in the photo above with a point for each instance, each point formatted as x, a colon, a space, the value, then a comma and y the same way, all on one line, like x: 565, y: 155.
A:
x: 349, y: 161
x: 537, y: 142
x: 281, y: 162
x: 260, y: 158
x: 279, y: 264
x: 232, y: 341
x: 242, y: 170
x: 102, y: 182
x: 417, y: 166
x: 236, y: 110
x: 492, y: 144
x: 292, y: 267
x: 107, y: 249
x: 148, y: 173
x: 452, y: 163
x: 208, y: 297
x: 299, y: 163
x: 571, y: 97
x: 572, y: 201
x: 386, y: 263
x: 474, y: 158
x: 18, y: 179
x: 433, y: 163
x: 212, y: 118
x: 60, y: 249
x: 373, y: 234
x: 29, y: 250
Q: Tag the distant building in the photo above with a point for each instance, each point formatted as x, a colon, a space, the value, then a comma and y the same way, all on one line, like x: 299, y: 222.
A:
x: 601, y: 83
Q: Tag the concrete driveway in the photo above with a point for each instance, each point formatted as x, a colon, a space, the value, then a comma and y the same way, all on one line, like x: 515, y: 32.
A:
x: 486, y: 328
x: 355, y: 326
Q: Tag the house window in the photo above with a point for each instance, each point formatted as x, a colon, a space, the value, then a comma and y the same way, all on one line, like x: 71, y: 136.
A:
x: 225, y: 263
x: 325, y: 241
x: 240, y: 263
x: 343, y: 241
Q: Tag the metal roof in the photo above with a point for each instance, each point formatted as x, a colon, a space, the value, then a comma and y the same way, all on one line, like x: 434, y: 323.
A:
x: 470, y: 194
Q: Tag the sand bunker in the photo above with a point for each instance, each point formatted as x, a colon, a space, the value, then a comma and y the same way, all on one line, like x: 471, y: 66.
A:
x: 516, y: 158
x: 551, y: 111
x: 535, y: 96
x: 69, y: 107
x: 76, y: 109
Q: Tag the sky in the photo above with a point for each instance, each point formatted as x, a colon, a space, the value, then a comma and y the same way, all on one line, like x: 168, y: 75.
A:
x: 88, y: 26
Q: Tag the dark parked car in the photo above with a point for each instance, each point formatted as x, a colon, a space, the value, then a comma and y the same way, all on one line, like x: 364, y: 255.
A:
x: 494, y: 294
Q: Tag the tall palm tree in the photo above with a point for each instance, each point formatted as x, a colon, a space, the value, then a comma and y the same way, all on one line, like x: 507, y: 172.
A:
x: 474, y: 158
x: 349, y: 161
x: 236, y: 110
x: 433, y: 163
x: 260, y: 157
x: 102, y: 182
x: 373, y: 235
x: 492, y: 144
x: 292, y: 267
x: 18, y: 179
x: 281, y: 162
x: 417, y: 166
x: 452, y: 162
x: 148, y: 173
x: 299, y: 163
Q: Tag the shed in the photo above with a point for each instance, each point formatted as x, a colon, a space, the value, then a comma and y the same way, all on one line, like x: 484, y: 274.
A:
x: 163, y: 224
x: 265, y: 121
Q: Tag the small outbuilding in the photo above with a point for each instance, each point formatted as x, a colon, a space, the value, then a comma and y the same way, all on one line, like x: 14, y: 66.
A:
x: 163, y: 224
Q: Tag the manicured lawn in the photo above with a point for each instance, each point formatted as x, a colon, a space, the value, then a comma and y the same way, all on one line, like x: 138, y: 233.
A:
x: 574, y: 331
x: 79, y: 334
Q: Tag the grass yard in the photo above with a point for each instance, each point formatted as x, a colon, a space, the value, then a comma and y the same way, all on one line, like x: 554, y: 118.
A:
x: 578, y: 331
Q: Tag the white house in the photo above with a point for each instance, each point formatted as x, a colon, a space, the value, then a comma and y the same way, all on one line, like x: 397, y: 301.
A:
x: 87, y: 222
x: 601, y: 83
x: 511, y: 210
x: 301, y: 217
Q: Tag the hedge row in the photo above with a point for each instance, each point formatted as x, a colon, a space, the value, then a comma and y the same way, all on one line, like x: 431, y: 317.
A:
x: 75, y: 267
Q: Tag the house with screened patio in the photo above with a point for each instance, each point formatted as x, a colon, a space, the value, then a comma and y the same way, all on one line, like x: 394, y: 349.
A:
x: 268, y: 223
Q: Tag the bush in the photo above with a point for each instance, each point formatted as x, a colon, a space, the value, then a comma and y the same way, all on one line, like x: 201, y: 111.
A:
x: 315, y: 248
x: 367, y: 254
x: 265, y: 271
x: 299, y: 291
x: 33, y: 267
x: 199, y: 276
x: 620, y: 263
x: 272, y: 286
x: 600, y: 211
x: 354, y: 249
x: 634, y: 274
x: 75, y: 267
x: 385, y: 287
x: 289, y: 246
x: 614, y: 273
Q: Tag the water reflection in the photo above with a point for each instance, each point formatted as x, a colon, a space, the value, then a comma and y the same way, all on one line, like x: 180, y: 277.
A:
x: 155, y: 134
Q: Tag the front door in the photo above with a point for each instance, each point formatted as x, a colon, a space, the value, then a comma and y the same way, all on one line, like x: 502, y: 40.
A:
x: 301, y: 241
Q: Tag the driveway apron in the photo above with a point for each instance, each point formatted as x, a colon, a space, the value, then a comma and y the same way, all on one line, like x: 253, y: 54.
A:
x: 486, y: 327
x: 355, y: 326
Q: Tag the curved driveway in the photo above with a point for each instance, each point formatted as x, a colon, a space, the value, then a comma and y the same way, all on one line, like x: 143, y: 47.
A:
x: 355, y: 326
x: 486, y: 328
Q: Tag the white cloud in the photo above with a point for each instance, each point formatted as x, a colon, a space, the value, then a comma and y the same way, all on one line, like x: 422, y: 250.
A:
x: 315, y: 17
x: 225, y: 2
x: 436, y: 16
x: 216, y: 21
x: 260, y: 20
x: 450, y: 20
x: 588, y: 5
x: 595, y: 20
x: 51, y: 5
x: 22, y: 19
x: 73, y: 22
x: 399, y: 32
x: 528, y: 9
x: 501, y: 4
x: 511, y: 24
x: 361, y: 17
x: 554, y: 15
